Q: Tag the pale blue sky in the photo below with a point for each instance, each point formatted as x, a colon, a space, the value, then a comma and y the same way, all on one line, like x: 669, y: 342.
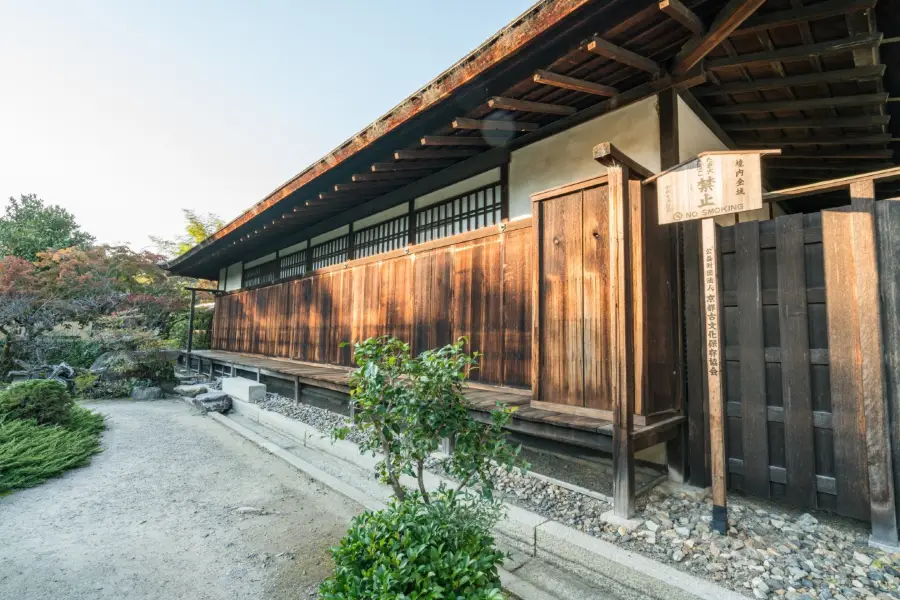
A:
x: 126, y: 111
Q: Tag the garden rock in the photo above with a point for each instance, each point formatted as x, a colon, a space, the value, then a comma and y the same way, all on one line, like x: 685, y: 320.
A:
x: 191, y: 391
x: 218, y: 402
x: 147, y: 393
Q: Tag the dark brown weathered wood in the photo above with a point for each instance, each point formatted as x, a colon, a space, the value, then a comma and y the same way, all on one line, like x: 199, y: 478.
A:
x: 800, y: 105
x: 800, y: 461
x: 698, y: 445
x: 754, y: 422
x: 493, y: 124
x: 814, y: 140
x: 456, y: 140
x: 828, y: 123
x: 774, y: 83
x: 795, y: 52
x: 407, y: 166
x: 502, y: 103
x: 682, y: 14
x: 370, y: 185
x: 732, y: 15
x: 428, y: 153
x: 389, y: 175
x: 888, y: 235
x: 803, y: 14
x: 571, y: 83
x: 351, y: 194
x: 622, y: 56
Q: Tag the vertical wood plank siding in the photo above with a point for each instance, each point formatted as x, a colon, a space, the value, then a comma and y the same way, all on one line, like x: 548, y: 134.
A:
x: 476, y: 285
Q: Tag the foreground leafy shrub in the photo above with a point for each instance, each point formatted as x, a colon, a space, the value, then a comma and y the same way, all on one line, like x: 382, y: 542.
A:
x: 420, y: 551
x: 31, y: 453
x: 45, y: 401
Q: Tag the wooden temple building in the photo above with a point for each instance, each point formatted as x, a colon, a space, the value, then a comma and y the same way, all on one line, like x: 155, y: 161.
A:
x: 503, y: 201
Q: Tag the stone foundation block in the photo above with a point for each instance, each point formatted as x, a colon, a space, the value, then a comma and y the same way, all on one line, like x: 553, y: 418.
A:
x: 244, y: 389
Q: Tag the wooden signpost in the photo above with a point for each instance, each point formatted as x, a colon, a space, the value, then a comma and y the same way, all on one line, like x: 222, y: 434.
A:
x: 711, y: 185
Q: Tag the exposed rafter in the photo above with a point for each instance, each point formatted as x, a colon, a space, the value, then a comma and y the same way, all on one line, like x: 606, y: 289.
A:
x: 815, y: 140
x: 622, y: 56
x: 787, y: 105
x: 408, y: 166
x: 428, y: 153
x: 501, y: 103
x: 729, y: 18
x: 774, y: 83
x: 576, y: 85
x: 389, y: 175
x: 350, y: 194
x: 682, y: 14
x: 832, y: 122
x: 803, y: 14
x: 461, y: 140
x: 794, y: 52
x: 371, y: 185
x: 493, y: 124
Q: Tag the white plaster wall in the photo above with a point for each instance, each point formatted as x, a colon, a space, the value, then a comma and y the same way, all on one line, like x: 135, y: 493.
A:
x: 568, y: 156
x: 330, y: 235
x: 292, y: 249
x: 233, y: 276
x: 385, y: 215
x: 260, y: 260
x: 694, y: 136
x: 223, y: 274
x: 460, y: 187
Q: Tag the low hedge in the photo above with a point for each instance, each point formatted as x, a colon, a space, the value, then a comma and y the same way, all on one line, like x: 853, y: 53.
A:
x: 45, y: 401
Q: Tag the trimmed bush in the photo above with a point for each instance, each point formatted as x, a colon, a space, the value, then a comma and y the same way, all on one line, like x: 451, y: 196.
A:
x: 31, y: 453
x: 416, y: 550
x: 45, y: 401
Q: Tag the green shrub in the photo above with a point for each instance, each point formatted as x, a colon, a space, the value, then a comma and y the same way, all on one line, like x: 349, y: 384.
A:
x: 31, y: 453
x: 415, y: 550
x: 75, y: 351
x: 45, y: 401
x: 178, y: 328
x: 90, y: 387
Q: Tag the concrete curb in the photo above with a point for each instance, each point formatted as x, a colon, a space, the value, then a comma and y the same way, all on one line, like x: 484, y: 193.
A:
x: 522, y: 588
x: 592, y: 559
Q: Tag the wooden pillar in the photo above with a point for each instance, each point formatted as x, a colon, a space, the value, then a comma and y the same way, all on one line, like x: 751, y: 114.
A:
x: 504, y: 192
x: 621, y: 341
x: 709, y: 258
x: 190, y: 340
x: 856, y: 352
x: 296, y: 390
x: 411, y: 224
x: 862, y: 195
x: 676, y: 448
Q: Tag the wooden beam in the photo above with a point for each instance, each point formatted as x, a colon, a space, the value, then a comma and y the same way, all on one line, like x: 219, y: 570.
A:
x: 796, y: 16
x: 493, y: 125
x: 838, y: 154
x: 576, y: 85
x: 424, y: 153
x: 430, y: 164
x: 774, y: 83
x: 831, y: 185
x: 349, y: 195
x: 388, y: 175
x: 461, y: 140
x: 370, y: 185
x: 609, y: 156
x: 798, y: 105
x: 853, y: 168
x: 864, y: 121
x: 866, y: 40
x: 815, y: 140
x: 729, y: 18
x: 683, y: 15
x: 621, y: 55
x: 501, y: 103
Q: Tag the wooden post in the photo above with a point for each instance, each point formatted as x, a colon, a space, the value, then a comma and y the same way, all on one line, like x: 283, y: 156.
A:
x: 621, y: 341
x: 712, y: 300
x: 190, y: 340
x: 296, y: 390
x: 856, y: 365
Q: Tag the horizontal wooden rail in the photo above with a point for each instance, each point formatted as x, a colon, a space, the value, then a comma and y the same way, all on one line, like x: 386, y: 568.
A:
x: 831, y: 185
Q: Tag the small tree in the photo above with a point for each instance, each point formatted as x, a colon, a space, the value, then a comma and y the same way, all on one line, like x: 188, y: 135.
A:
x: 197, y: 228
x: 30, y: 227
x: 407, y: 405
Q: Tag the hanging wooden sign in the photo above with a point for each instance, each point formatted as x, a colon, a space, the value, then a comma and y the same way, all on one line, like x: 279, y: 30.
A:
x: 713, y: 184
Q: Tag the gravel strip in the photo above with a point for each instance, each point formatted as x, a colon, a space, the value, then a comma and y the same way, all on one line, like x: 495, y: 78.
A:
x: 766, y: 554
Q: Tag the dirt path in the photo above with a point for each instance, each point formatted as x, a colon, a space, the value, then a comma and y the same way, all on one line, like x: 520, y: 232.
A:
x: 156, y: 516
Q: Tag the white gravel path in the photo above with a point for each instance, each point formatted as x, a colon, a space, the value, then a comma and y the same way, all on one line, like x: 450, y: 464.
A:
x: 156, y: 515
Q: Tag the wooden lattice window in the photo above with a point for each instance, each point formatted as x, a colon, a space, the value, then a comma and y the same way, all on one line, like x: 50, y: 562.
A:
x: 472, y: 210
x: 383, y: 237
x: 331, y: 252
x: 292, y: 265
x: 263, y: 274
